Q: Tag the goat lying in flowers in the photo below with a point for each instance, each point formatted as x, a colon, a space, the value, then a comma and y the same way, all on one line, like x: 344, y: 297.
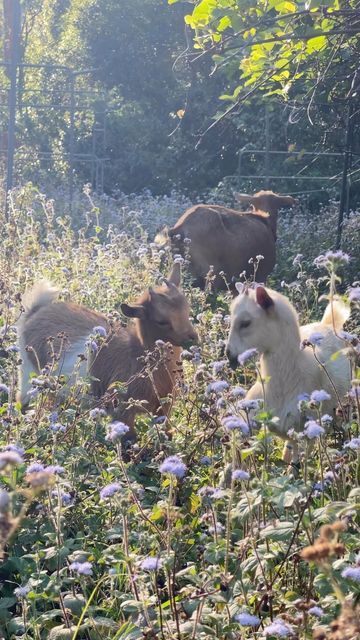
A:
x: 265, y: 322
x: 161, y: 316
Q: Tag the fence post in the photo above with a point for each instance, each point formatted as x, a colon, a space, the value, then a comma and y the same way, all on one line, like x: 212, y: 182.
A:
x: 72, y: 138
x: 344, y: 183
x: 12, y: 11
x: 267, y: 146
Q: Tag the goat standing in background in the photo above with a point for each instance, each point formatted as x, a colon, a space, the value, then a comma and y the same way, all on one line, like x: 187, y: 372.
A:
x: 161, y: 314
x: 227, y: 239
x: 265, y: 320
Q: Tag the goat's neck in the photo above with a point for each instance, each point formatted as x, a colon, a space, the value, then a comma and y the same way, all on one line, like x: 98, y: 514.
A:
x: 272, y: 222
x: 281, y: 368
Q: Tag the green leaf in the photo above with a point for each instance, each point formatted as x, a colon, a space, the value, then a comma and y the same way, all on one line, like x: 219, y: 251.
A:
x: 316, y: 44
x: 279, y: 531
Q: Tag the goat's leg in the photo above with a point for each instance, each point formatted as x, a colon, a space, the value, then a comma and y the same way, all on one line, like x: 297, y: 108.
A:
x: 25, y: 369
x: 291, y: 452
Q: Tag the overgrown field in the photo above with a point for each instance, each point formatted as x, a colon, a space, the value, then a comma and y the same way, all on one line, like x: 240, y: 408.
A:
x: 230, y: 543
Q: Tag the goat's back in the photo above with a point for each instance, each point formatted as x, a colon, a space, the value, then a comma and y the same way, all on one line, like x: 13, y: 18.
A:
x: 226, y: 239
x: 73, y: 321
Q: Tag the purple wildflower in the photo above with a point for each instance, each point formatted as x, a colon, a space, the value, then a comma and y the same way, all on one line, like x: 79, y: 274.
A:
x: 33, y: 393
x: 205, y: 460
x: 151, y: 563
x: 248, y: 405
x: 35, y: 467
x: 303, y: 397
x: 55, y: 469
x: 326, y: 419
x: 354, y: 294
x: 116, y: 430
x: 313, y: 429
x: 9, y: 459
x: 66, y: 498
x: 331, y: 259
x: 82, y: 568
x: 110, y: 490
x: 233, y: 422
x: 278, y: 628
x: 247, y: 620
x: 315, y: 338
x: 354, y: 444
x: 218, y: 366
x: 57, y: 427
x: 21, y: 592
x: 240, y: 474
x: 96, y: 413
x: 320, y: 396
x: 91, y: 345
x: 247, y: 355
x: 4, y: 388
x: 238, y: 392
x: 100, y: 331
x: 316, y: 611
x: 16, y: 448
x: 217, y: 387
x: 174, y: 466
x: 353, y: 573
x: 217, y: 527
x: 13, y: 348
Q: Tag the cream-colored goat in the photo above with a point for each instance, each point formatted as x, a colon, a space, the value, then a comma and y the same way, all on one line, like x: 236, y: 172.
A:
x: 266, y: 320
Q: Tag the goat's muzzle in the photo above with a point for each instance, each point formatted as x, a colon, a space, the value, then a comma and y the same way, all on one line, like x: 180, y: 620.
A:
x: 233, y: 361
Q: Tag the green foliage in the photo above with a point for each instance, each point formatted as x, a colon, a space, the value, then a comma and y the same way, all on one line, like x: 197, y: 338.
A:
x: 272, y: 47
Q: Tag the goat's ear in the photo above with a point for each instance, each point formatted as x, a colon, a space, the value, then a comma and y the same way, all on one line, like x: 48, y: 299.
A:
x: 243, y: 197
x: 132, y: 310
x: 241, y: 287
x: 263, y: 299
x: 175, y: 275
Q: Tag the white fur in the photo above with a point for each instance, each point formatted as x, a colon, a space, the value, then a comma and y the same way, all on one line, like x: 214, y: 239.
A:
x: 68, y: 366
x: 287, y: 370
x: 41, y: 294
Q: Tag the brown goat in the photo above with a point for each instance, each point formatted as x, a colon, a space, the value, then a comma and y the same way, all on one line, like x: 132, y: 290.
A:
x: 160, y: 314
x: 227, y: 239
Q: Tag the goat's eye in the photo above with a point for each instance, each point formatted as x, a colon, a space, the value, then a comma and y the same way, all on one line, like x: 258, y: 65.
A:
x: 244, y: 323
x: 163, y: 323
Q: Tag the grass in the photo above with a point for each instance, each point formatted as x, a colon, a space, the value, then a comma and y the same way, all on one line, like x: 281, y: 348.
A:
x: 225, y: 546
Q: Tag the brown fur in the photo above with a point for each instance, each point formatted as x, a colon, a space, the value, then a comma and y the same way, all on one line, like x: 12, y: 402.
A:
x: 227, y: 239
x: 121, y: 358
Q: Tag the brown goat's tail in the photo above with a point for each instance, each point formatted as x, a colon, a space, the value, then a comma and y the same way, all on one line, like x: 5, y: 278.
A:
x: 40, y: 295
x: 336, y: 314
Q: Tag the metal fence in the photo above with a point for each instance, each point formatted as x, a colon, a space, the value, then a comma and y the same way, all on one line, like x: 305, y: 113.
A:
x: 67, y: 101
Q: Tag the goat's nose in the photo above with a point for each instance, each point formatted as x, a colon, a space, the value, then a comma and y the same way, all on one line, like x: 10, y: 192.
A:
x: 192, y: 336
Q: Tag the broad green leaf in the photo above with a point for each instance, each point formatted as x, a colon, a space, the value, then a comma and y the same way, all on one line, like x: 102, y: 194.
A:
x: 316, y: 44
x: 278, y: 531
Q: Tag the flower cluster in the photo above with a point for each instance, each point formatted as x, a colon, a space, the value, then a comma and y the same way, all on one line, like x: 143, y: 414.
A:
x: 173, y: 466
x: 116, y: 431
x: 232, y: 423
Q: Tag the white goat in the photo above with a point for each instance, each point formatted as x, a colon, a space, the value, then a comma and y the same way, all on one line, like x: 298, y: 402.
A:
x: 266, y: 320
